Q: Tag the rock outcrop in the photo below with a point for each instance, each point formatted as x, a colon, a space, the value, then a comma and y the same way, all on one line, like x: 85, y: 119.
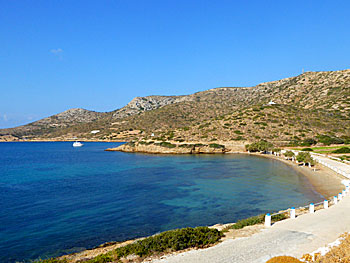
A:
x: 141, y: 104
x: 169, y: 148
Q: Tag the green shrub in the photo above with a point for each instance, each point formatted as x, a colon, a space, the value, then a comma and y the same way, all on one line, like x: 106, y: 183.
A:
x: 307, y: 150
x: 342, y: 150
x: 327, y: 140
x: 249, y: 221
x: 254, y: 220
x: 166, y: 144
x: 261, y: 146
x: 305, y: 157
x: 52, y: 260
x: 199, y: 145
x: 239, y: 138
x: 186, y: 145
x: 216, y: 146
x: 103, y: 258
x: 146, y: 143
x: 172, y: 240
x: 308, y: 142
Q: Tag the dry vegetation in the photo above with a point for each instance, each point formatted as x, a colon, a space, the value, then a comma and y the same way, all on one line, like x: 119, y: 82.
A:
x: 338, y: 254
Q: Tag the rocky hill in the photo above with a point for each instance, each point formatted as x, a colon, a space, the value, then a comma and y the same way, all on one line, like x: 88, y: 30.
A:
x: 305, y: 106
x: 59, y: 121
x: 141, y: 104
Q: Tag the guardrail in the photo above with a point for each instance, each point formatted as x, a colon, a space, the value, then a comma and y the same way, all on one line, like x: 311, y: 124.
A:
x: 325, y: 204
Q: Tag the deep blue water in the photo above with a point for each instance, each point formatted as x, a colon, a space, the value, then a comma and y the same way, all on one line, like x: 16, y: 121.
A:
x: 56, y: 199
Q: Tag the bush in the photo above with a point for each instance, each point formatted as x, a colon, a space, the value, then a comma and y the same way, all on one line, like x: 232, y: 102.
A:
x: 283, y: 259
x: 216, y: 146
x: 166, y: 145
x: 172, y: 240
x: 103, y: 258
x: 200, y: 145
x: 249, y: 221
x: 307, y: 150
x: 308, y: 142
x: 261, y: 146
x: 254, y: 220
x: 327, y: 140
x: 305, y: 157
x: 342, y: 150
x: 146, y: 143
x: 52, y: 260
x: 289, y: 154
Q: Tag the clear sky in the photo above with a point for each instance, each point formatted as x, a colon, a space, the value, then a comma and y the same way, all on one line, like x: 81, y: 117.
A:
x: 98, y: 55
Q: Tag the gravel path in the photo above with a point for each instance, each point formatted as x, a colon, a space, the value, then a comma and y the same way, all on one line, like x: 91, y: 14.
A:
x: 293, y: 237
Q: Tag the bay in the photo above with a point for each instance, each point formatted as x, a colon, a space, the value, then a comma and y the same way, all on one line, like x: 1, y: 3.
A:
x: 56, y: 199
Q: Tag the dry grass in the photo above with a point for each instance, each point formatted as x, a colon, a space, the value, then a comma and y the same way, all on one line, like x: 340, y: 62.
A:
x: 339, y: 254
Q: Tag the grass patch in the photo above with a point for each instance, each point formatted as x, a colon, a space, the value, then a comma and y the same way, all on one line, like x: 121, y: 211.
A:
x: 254, y: 220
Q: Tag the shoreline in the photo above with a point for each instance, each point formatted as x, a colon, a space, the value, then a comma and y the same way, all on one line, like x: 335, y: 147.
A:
x: 325, y: 182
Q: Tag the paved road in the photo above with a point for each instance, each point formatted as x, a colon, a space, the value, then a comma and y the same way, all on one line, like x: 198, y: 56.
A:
x: 339, y: 167
x: 293, y: 237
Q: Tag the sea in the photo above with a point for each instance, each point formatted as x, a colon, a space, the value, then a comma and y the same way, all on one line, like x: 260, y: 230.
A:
x: 56, y: 199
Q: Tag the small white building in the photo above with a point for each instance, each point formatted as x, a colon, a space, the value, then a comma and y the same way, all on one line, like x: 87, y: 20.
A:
x: 271, y: 102
x: 95, y: 131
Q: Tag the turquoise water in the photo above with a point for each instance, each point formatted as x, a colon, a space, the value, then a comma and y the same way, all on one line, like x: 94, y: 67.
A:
x: 56, y: 199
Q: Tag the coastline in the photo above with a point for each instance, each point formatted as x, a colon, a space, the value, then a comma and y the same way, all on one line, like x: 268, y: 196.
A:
x: 325, y: 182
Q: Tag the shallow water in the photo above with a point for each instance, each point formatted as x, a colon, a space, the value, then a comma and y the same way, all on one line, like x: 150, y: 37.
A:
x: 56, y: 199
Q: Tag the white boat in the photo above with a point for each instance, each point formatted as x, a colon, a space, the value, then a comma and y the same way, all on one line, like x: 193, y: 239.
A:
x: 77, y: 144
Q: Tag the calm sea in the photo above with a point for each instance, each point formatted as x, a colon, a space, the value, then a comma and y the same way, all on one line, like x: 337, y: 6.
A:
x: 56, y: 199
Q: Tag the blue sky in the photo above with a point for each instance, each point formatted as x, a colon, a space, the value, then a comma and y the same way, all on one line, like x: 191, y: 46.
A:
x: 98, y: 55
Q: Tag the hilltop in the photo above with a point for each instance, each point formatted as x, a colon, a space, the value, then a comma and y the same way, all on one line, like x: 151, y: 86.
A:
x: 306, y: 106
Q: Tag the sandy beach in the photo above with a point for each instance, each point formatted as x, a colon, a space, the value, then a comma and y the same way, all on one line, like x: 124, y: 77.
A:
x: 324, y: 180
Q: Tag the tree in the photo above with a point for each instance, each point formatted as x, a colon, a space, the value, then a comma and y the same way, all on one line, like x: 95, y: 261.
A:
x: 261, y: 146
x: 305, y: 157
x: 289, y: 154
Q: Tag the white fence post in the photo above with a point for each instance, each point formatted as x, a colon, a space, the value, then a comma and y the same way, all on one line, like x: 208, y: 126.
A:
x: 292, y: 213
x: 340, y: 197
x: 312, y: 208
x: 325, y: 204
x: 267, y: 220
